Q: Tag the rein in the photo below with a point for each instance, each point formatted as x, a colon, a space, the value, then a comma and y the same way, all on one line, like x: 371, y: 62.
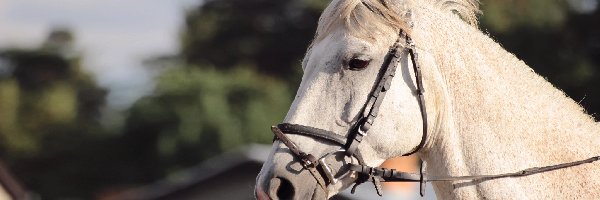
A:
x: 323, y: 174
x: 392, y: 175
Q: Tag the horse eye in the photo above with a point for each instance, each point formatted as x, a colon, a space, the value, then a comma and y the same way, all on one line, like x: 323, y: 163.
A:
x: 358, y: 64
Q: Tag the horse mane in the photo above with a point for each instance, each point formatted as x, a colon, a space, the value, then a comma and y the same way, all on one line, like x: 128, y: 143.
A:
x: 361, y: 17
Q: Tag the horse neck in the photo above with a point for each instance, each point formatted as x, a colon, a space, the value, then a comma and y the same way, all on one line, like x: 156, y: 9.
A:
x: 496, y: 115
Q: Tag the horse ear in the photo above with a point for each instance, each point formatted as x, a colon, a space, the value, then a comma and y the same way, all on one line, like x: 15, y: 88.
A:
x: 467, y: 10
x: 306, y: 56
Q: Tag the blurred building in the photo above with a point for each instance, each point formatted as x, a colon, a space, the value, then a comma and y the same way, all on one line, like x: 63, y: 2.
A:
x: 233, y: 175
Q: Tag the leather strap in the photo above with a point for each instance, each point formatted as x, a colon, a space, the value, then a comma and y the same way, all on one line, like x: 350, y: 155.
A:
x: 525, y: 172
x: 420, y: 94
x: 392, y: 175
x: 313, y: 132
x: 388, y: 175
x: 371, y: 108
x: 308, y: 161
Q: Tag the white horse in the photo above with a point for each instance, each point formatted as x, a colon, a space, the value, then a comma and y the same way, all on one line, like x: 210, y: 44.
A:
x: 488, y: 112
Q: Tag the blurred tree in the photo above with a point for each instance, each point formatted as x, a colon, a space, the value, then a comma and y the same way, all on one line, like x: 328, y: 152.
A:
x: 44, y: 89
x: 271, y: 35
x: 48, y: 116
x: 198, y: 113
x: 559, y: 39
x: 240, y: 64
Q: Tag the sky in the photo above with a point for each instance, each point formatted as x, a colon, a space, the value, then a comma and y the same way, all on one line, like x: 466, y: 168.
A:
x: 114, y: 36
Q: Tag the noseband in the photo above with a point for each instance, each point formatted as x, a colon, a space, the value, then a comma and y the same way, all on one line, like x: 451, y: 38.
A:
x: 321, y: 171
x: 317, y: 167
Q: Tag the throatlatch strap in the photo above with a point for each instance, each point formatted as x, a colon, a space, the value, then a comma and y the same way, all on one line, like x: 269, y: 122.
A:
x: 420, y: 93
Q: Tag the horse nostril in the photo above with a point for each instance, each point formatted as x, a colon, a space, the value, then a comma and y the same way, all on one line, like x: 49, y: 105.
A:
x: 282, y: 188
x: 285, y: 191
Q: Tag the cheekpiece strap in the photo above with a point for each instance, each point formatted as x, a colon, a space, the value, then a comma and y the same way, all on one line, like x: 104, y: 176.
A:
x: 371, y: 109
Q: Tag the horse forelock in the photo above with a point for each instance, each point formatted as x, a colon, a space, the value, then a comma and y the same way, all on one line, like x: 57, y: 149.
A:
x: 359, y: 17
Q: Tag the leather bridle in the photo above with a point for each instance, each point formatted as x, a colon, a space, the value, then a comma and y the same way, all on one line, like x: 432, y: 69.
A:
x: 323, y: 173
x: 317, y: 167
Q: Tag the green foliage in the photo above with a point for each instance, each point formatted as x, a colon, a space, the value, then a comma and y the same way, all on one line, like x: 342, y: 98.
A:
x: 196, y: 113
x: 241, y: 64
x: 554, y: 39
x: 48, y: 119
x: 502, y: 16
x: 44, y: 90
x: 271, y: 35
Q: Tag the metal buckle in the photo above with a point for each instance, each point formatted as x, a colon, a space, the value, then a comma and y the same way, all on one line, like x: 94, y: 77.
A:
x: 327, y: 170
x: 360, y: 131
x: 307, y: 164
x: 308, y: 160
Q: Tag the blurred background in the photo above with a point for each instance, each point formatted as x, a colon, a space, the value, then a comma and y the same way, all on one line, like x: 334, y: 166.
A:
x: 110, y: 99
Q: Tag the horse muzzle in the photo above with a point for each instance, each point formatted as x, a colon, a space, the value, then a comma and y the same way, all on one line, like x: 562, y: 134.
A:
x: 287, y: 183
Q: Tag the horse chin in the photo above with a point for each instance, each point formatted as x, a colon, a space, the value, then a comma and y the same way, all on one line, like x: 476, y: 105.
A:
x: 316, y: 193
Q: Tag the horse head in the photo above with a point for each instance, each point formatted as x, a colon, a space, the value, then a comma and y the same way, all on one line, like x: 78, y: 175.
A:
x: 345, y: 77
